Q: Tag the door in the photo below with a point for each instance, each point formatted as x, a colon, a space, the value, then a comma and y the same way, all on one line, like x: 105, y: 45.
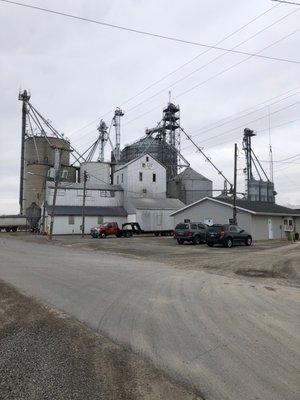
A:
x: 270, y: 228
x: 234, y: 233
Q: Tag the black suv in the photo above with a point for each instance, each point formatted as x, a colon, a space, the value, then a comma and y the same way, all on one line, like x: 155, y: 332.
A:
x: 227, y: 235
x: 194, y: 232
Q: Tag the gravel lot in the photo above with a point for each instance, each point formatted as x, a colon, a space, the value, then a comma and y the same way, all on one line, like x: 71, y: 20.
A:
x: 44, y: 354
x: 264, y: 259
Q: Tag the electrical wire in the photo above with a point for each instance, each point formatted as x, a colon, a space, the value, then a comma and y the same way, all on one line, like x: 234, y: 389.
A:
x: 151, y: 34
x: 249, y: 122
x: 214, y: 76
x: 213, y: 60
x: 180, y: 67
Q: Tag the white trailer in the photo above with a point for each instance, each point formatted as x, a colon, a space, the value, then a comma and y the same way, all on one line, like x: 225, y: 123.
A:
x: 12, y: 222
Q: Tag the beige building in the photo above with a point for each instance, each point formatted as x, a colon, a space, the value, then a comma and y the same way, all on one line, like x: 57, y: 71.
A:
x: 261, y: 220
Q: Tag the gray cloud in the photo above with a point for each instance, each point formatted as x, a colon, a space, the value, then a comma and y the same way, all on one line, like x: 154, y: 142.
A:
x: 78, y: 71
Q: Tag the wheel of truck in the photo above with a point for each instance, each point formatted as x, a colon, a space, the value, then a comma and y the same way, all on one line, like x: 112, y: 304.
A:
x: 7, y: 229
x: 229, y: 242
x: 180, y: 241
x: 127, y: 234
x: 248, y: 241
x: 103, y: 235
x: 14, y: 229
x: 210, y: 244
x: 95, y: 235
x: 156, y: 234
x: 197, y: 240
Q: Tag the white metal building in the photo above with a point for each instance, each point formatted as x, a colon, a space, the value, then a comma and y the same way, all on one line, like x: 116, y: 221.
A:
x: 142, y: 177
x: 262, y: 220
x: 152, y: 214
x: 68, y: 219
x: 104, y: 203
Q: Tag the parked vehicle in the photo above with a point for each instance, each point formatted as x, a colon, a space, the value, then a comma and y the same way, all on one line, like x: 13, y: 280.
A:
x: 109, y: 229
x: 194, y: 232
x: 134, y: 227
x: 227, y: 235
x: 12, y: 222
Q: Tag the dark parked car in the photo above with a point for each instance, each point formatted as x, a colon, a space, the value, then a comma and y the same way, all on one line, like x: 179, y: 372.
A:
x: 194, y: 232
x: 227, y: 235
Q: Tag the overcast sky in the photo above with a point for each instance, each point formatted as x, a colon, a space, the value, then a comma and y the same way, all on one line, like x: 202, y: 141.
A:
x: 78, y: 72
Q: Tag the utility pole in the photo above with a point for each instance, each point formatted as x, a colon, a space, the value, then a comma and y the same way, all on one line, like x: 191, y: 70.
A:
x: 56, y: 183
x: 83, y: 203
x: 234, y: 185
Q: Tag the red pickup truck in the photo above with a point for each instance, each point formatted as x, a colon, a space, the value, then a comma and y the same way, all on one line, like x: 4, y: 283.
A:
x: 108, y: 229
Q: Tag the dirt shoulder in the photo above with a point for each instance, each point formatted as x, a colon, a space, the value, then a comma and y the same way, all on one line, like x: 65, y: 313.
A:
x: 45, y: 354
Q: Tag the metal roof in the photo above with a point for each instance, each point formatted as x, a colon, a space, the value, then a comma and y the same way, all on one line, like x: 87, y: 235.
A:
x: 252, y: 207
x: 89, y: 186
x: 190, y: 173
x: 122, y: 166
x: 155, y: 204
x: 89, y: 211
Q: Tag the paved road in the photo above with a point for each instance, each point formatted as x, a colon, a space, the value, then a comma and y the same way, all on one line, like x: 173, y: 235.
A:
x: 227, y: 338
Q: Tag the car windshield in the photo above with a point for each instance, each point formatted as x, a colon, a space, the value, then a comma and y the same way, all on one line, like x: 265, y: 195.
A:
x: 182, y: 226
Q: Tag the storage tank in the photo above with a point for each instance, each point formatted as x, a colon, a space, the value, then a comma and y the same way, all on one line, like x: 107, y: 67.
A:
x: 39, y: 159
x: 39, y: 149
x: 157, y: 148
x: 98, y: 172
x: 259, y: 190
x: 34, y: 183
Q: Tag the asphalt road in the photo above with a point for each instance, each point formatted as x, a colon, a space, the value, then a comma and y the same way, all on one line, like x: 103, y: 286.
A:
x: 228, y: 338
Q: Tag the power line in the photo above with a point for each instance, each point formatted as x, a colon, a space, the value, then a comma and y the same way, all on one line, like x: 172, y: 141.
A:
x: 249, y: 122
x: 213, y: 60
x: 286, y: 2
x: 215, y: 75
x: 182, y: 66
x: 151, y: 34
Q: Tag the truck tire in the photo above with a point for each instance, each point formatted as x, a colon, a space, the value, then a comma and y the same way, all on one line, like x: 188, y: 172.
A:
x: 7, y: 229
x: 103, y: 235
x: 14, y: 229
x: 95, y: 235
x: 229, y: 242
x: 210, y: 244
x: 156, y: 234
x: 197, y: 240
x: 180, y: 241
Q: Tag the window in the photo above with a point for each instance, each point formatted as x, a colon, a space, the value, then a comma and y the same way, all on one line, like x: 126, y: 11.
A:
x: 140, y: 176
x: 153, y: 177
x: 117, y: 179
x: 122, y: 178
x: 147, y: 158
x: 201, y: 226
x: 71, y: 219
x: 144, y: 165
x: 107, y: 193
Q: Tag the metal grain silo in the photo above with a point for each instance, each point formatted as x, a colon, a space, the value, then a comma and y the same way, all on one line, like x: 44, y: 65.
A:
x: 39, y: 149
x: 38, y: 160
x: 157, y: 148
